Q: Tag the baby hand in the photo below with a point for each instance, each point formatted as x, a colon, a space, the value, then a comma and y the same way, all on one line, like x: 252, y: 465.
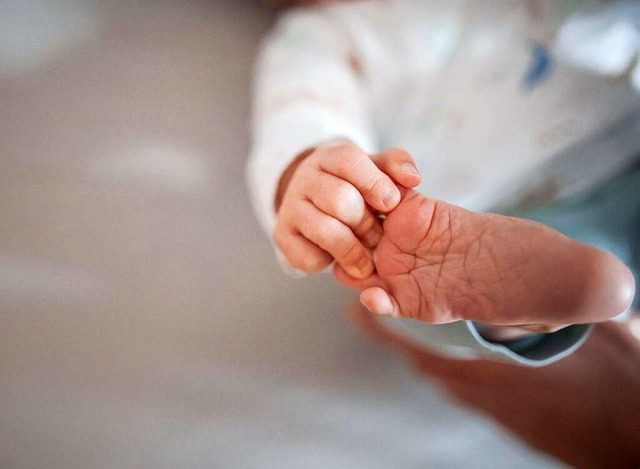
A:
x: 328, y: 208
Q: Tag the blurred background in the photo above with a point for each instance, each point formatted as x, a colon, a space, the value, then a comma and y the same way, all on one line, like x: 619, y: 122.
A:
x: 143, y: 319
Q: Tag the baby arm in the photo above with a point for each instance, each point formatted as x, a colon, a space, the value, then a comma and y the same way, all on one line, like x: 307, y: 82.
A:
x: 307, y: 93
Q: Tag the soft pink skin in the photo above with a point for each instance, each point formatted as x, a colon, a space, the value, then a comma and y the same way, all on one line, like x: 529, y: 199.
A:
x: 331, y: 195
x: 440, y: 263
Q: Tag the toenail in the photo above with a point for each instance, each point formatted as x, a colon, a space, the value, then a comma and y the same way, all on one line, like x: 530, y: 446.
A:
x: 386, y: 307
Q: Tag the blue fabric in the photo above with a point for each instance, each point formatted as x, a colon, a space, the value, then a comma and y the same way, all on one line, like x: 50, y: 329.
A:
x: 540, y: 68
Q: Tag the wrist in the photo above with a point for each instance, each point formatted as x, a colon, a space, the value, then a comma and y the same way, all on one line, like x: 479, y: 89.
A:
x: 287, y: 175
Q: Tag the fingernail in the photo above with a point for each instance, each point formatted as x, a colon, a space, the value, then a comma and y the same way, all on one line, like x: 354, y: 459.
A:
x: 391, y: 198
x: 410, y: 169
x: 364, y: 267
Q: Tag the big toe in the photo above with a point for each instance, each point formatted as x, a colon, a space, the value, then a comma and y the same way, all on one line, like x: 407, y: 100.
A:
x: 411, y: 219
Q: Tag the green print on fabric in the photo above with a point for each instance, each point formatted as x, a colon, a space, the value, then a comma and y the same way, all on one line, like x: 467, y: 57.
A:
x: 297, y: 39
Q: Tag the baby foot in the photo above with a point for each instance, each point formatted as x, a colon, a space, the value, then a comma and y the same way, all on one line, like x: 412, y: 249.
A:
x: 439, y: 263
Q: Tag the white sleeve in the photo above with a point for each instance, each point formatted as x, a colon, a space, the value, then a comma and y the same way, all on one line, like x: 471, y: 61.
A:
x: 603, y: 40
x: 306, y: 92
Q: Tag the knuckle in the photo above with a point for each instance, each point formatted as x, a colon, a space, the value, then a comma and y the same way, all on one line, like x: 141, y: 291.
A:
x: 376, y: 186
x: 378, y: 182
x: 367, y: 223
x: 349, y: 157
x: 358, y: 159
x: 329, y: 232
x: 344, y: 149
x: 308, y: 261
x: 351, y: 251
x: 301, y: 181
x: 346, y: 202
x: 340, y: 243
